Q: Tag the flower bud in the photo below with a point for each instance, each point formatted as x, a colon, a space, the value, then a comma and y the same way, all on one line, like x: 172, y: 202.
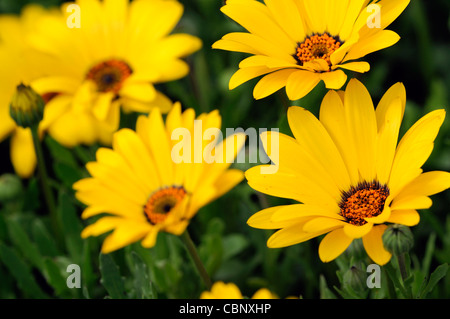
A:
x: 398, y: 239
x: 10, y: 187
x: 355, y: 279
x: 26, y: 107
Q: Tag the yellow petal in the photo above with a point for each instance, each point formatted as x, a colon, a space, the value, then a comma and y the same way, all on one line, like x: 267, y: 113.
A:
x: 405, y: 217
x: 374, y: 247
x: 246, y: 74
x: 411, y: 202
x: 414, y: 149
x: 353, y: 231
x: 333, y: 245
x: 271, y: 83
x: 101, y: 226
x: 426, y: 184
x: 132, y: 149
x: 334, y: 80
x: 291, y: 235
x: 301, y: 83
x: 361, y: 120
x: 255, y: 17
x: 125, y: 234
x: 387, y: 140
x: 313, y: 137
x: 322, y: 224
x: 359, y: 66
x: 332, y: 117
x: 263, y: 219
x: 23, y: 156
x: 378, y: 41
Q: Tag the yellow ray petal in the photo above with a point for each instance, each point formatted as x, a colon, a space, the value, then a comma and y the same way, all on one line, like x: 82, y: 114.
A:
x: 246, y: 74
x: 288, y: 16
x: 332, y: 117
x: 333, y: 245
x: 301, y: 83
x: 23, y: 156
x: 125, y: 234
x: 263, y: 219
x: 387, y: 140
x: 411, y: 202
x: 291, y: 235
x: 334, y: 79
x: 426, y: 184
x: 414, y: 149
x: 271, y: 83
x: 127, y: 143
x: 255, y: 17
x: 378, y: 41
x: 322, y: 224
x: 353, y: 231
x: 405, y: 217
x: 313, y: 137
x: 285, y: 152
x: 374, y: 247
x: 361, y: 120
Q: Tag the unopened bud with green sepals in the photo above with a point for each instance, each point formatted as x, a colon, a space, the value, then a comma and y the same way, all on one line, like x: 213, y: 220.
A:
x: 398, y: 239
x: 26, y: 107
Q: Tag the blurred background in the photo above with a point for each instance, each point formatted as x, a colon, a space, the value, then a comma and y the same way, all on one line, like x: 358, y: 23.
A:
x: 231, y: 250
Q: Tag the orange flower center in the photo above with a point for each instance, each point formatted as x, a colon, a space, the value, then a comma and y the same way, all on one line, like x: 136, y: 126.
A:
x: 317, y: 47
x: 364, y: 201
x: 161, y: 202
x: 109, y: 75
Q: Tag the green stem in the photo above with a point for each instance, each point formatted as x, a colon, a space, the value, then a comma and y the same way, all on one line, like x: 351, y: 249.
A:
x: 402, y: 266
x: 186, y: 238
x: 404, y: 273
x: 48, y: 195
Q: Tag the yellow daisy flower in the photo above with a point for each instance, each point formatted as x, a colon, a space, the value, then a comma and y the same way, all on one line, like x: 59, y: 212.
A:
x: 348, y: 173
x: 221, y: 290
x: 298, y: 43
x: 17, y: 67
x: 108, y: 55
x: 144, y: 189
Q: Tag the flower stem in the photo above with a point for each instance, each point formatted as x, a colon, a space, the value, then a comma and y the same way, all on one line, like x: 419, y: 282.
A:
x: 404, y: 273
x: 186, y: 238
x: 48, y: 195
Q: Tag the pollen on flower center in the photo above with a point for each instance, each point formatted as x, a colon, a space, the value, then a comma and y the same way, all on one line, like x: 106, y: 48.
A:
x: 109, y: 75
x: 365, y: 200
x: 161, y: 202
x: 317, y: 47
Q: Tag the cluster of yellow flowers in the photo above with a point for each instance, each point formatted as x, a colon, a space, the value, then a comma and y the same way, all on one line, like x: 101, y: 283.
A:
x: 347, y: 169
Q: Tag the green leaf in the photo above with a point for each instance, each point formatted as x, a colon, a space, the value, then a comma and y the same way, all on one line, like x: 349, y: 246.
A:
x: 21, y: 240
x: 43, y: 239
x: 437, y: 275
x: 325, y: 292
x: 142, y: 283
x: 55, y: 278
x: 71, y: 227
x: 394, y: 276
x: 111, y: 278
x: 59, y: 153
x: 21, y: 272
x: 233, y: 245
x: 67, y: 174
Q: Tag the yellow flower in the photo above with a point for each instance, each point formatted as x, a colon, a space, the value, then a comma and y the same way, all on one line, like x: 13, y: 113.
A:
x: 18, y: 66
x: 348, y: 173
x: 145, y: 189
x: 298, y: 43
x: 108, y: 55
x: 221, y: 290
